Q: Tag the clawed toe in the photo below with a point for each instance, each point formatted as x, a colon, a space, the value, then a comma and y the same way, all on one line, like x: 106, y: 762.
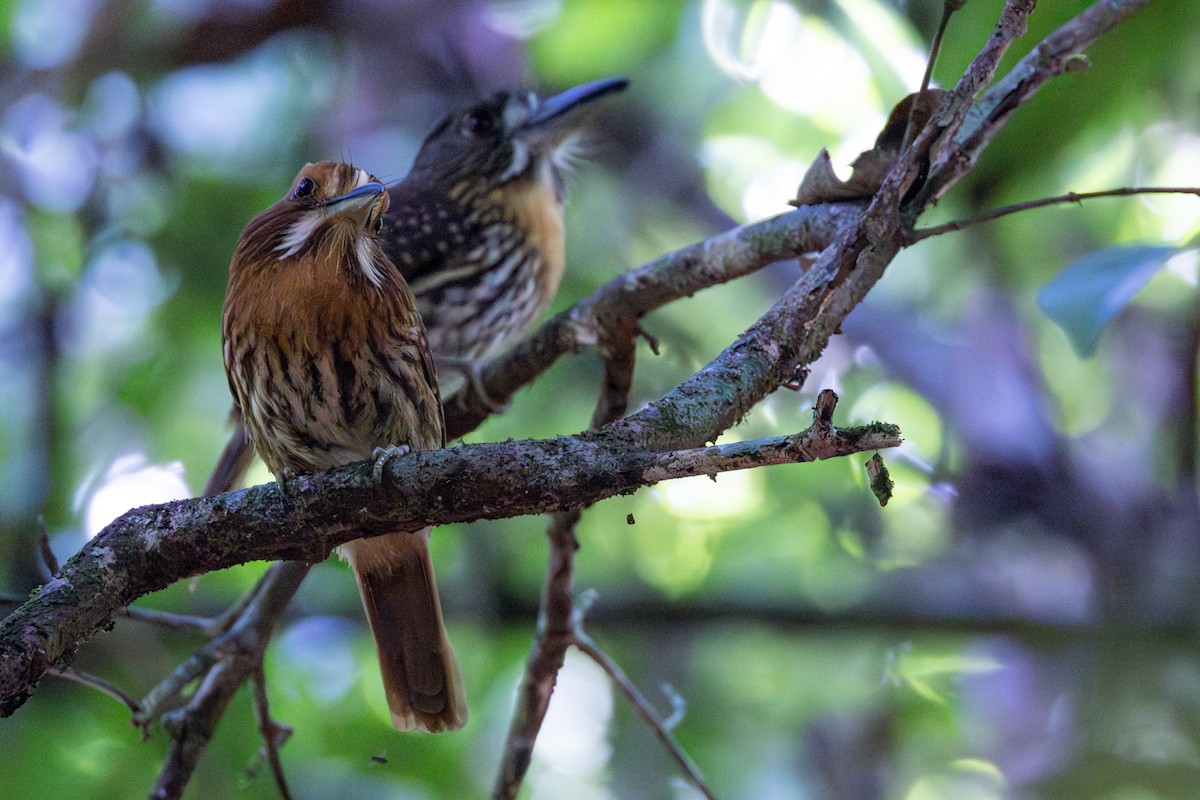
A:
x: 382, y: 455
x: 282, y: 477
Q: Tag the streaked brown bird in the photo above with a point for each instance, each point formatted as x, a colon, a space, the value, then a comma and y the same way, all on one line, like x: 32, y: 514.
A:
x: 477, y: 226
x: 329, y: 364
x: 477, y: 230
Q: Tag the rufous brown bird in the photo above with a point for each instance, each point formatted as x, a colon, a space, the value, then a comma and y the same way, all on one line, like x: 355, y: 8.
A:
x: 477, y: 230
x: 329, y: 364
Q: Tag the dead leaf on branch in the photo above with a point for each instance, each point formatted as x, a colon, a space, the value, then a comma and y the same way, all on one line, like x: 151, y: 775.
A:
x: 822, y: 185
x: 881, y: 480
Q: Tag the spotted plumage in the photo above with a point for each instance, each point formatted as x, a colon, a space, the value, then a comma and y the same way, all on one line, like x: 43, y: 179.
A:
x: 477, y: 226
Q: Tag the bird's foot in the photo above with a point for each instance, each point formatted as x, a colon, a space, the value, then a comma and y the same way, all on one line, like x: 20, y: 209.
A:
x: 382, y: 455
x: 282, y: 477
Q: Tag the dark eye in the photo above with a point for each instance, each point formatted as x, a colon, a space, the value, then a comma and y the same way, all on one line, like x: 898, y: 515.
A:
x: 304, y: 188
x: 377, y: 226
x: 477, y: 126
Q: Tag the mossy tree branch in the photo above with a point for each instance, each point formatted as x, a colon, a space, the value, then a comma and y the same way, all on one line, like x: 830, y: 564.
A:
x: 149, y: 548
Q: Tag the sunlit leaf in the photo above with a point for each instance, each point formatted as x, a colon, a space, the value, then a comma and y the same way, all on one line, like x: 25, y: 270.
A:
x: 1089, y: 293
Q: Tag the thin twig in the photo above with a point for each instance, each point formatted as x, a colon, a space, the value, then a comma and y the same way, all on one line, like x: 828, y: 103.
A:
x: 969, y: 129
x: 170, y: 620
x: 549, y: 649
x: 274, y: 734
x: 643, y: 708
x: 192, y: 728
x: 818, y: 439
x: 678, y: 706
x: 948, y: 9
x: 1012, y: 25
x: 97, y: 683
x: 231, y: 615
x: 920, y: 234
x: 556, y: 610
x: 559, y: 616
x: 167, y: 694
x: 231, y: 659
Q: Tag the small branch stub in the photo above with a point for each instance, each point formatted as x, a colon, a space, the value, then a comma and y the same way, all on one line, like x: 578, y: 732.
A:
x: 823, y: 411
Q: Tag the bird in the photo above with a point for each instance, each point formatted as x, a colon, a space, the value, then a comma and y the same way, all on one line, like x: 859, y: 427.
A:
x: 329, y: 364
x: 476, y: 228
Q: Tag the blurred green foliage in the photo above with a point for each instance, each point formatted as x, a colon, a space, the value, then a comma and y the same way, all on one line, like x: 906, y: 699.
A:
x: 1018, y: 622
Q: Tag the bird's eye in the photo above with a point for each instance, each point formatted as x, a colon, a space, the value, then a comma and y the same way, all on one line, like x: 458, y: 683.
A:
x: 377, y: 225
x: 476, y: 126
x: 304, y: 188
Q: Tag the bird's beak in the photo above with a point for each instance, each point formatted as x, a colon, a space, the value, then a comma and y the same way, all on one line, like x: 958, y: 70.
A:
x: 555, y: 108
x: 358, y: 204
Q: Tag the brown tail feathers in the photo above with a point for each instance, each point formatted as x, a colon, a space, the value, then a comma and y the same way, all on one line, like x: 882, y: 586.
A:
x: 420, y: 674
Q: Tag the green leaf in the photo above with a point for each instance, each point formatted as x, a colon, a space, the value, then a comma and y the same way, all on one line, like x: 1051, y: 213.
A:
x: 1084, y: 297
